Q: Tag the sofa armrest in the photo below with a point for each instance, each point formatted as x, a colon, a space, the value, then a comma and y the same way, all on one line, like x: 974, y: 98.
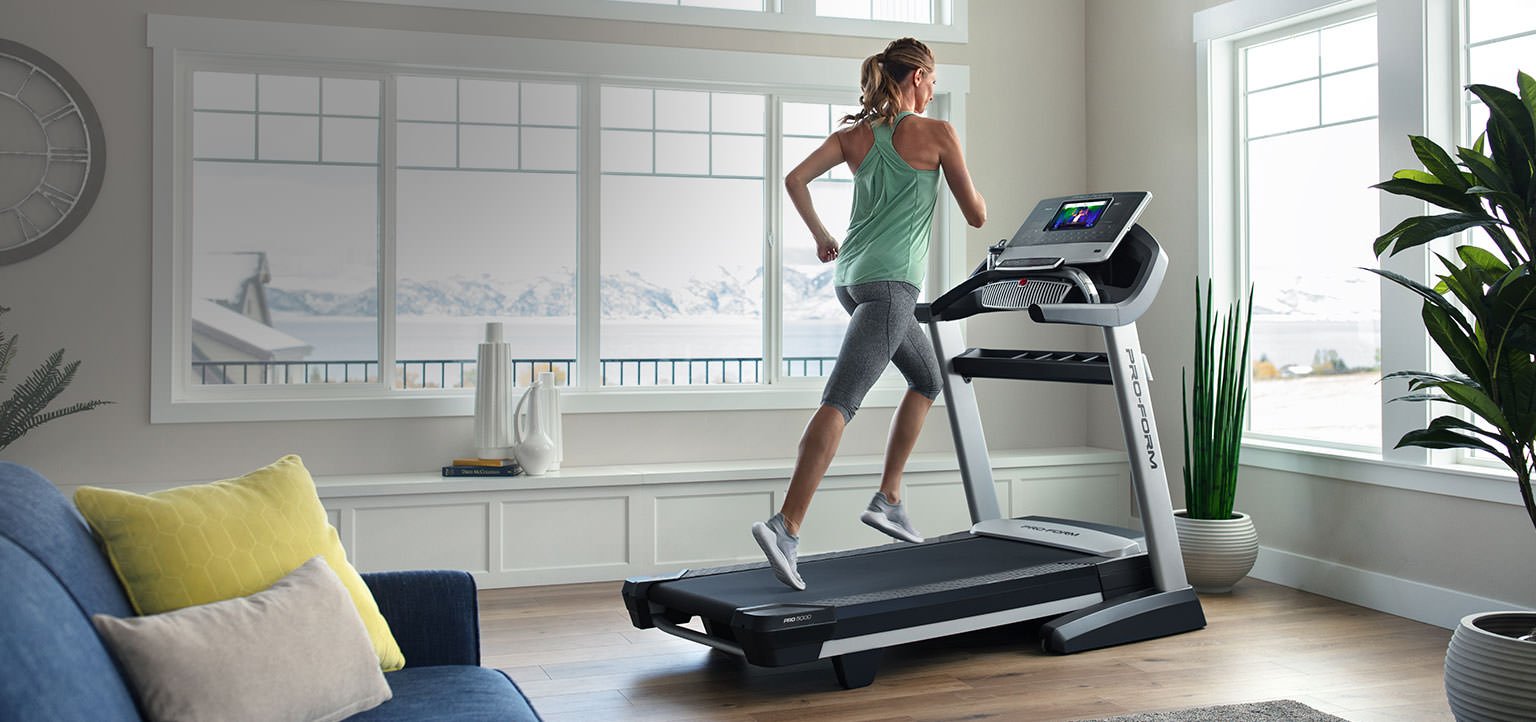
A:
x: 433, y: 615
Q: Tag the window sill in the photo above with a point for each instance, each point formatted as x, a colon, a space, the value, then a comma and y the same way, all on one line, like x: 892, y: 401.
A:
x: 574, y: 477
x: 441, y: 404
x: 1461, y: 481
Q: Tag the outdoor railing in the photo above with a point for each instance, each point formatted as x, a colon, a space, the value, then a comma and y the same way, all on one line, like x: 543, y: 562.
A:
x: 460, y: 373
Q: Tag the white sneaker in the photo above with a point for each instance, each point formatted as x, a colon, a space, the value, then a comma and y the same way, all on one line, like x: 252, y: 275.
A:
x: 890, y: 519
x: 781, y: 548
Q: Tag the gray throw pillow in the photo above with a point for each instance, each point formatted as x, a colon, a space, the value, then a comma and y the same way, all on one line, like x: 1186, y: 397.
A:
x: 294, y: 651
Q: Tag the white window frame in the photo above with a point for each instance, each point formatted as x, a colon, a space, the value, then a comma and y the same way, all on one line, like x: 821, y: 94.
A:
x: 182, y: 43
x: 1465, y: 133
x: 950, y: 25
x: 1418, y: 73
x: 1235, y: 46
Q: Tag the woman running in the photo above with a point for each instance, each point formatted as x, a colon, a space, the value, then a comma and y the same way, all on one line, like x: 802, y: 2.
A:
x: 895, y: 155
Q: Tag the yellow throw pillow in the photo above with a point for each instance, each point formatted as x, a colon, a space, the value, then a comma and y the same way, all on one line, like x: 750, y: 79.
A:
x: 210, y: 542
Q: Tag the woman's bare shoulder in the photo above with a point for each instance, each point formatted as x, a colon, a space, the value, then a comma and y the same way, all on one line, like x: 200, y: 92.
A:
x: 852, y: 130
x: 934, y: 126
x: 854, y: 138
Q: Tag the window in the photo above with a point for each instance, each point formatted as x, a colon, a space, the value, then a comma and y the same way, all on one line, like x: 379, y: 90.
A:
x: 1500, y: 39
x: 752, y: 5
x: 1265, y: 81
x: 334, y: 234
x: 931, y: 20
x: 487, y: 209
x: 285, y: 232
x: 814, y: 321
x: 286, y: 227
x: 683, y: 205
x: 1307, y: 160
x: 901, y: 11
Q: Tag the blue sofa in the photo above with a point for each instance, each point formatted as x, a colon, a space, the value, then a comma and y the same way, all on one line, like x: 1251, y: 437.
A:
x: 53, y: 576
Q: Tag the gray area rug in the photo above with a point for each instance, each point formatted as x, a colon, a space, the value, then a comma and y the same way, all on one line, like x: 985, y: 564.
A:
x: 1280, y: 710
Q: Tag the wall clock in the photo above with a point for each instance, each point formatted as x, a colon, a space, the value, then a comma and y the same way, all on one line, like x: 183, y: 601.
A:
x: 52, y: 152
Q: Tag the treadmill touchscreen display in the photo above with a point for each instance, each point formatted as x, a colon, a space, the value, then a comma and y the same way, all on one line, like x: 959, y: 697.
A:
x: 1078, y: 215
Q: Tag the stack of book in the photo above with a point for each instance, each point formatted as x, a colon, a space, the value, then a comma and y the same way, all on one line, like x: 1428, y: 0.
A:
x: 483, y: 467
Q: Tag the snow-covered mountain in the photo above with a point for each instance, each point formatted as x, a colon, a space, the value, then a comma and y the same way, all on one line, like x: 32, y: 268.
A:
x: 625, y: 295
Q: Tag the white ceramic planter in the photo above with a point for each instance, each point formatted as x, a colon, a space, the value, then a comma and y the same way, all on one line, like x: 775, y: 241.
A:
x: 1217, y: 552
x: 1489, y: 674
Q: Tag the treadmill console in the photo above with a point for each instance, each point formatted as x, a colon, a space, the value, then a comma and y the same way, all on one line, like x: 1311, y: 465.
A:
x: 1078, y: 259
x: 1072, y: 230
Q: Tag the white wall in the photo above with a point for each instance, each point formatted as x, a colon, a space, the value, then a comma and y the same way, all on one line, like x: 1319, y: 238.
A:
x: 1141, y: 124
x: 1363, y: 543
x: 91, y: 293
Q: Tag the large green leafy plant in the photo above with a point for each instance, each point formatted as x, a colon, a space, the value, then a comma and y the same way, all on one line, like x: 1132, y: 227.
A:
x: 1214, y: 405
x: 26, y: 409
x: 1482, y: 312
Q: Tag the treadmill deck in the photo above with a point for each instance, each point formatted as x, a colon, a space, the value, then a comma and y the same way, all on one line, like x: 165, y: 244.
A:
x: 884, y: 588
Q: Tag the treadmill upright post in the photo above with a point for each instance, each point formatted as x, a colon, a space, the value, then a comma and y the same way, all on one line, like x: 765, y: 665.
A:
x: 965, y: 424
x: 1133, y: 393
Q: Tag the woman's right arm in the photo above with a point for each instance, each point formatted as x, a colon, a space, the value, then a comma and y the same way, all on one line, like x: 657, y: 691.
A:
x: 796, y: 185
x: 952, y: 160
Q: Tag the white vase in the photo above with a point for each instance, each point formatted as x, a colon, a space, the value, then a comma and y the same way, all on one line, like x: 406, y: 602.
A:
x: 493, y: 396
x: 1217, y: 552
x: 1490, y: 674
x: 531, y: 444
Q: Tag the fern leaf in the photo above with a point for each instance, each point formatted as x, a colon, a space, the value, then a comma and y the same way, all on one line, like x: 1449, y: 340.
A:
x: 32, y: 395
x: 26, y: 408
x: 7, y: 353
x: 44, y: 418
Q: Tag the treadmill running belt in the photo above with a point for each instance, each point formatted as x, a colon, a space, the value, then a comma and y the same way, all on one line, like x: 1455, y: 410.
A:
x: 868, y: 576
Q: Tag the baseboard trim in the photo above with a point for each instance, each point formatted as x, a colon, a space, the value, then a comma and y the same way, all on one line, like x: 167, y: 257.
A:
x: 1382, y: 592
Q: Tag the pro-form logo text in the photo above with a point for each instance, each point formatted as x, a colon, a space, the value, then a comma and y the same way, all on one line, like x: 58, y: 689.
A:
x: 1141, y: 404
x: 1051, y: 529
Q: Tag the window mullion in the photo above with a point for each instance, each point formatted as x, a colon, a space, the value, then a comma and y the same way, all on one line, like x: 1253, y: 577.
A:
x: 773, y: 254
x: 589, y: 253
x: 798, y: 8
x: 388, y: 262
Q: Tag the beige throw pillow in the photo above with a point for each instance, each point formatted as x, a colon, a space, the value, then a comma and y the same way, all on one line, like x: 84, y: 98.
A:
x: 295, y: 651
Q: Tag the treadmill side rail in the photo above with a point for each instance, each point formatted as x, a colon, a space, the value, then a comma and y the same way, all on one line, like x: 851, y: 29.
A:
x: 1132, y: 618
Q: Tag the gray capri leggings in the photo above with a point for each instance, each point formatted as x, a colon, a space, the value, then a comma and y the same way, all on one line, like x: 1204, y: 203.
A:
x: 881, y: 329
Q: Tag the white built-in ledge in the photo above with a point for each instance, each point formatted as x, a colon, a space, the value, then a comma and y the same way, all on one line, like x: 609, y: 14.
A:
x: 595, y: 523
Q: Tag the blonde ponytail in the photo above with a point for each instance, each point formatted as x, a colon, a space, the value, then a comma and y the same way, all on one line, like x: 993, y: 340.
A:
x: 882, y: 74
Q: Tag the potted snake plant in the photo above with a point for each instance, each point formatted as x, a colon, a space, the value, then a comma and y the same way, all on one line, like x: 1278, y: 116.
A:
x: 1219, y: 544
x: 1482, y: 316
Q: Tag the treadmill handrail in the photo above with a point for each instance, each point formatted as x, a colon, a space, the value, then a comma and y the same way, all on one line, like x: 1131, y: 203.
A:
x: 1138, y: 299
x: 938, y: 306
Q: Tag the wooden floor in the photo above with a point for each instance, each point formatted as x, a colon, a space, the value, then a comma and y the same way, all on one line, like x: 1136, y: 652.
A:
x: 574, y: 652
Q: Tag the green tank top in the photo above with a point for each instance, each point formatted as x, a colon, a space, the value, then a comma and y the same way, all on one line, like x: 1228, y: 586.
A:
x: 892, y: 215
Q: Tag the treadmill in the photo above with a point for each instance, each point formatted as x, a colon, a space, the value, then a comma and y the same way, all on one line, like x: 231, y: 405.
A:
x: 1078, y: 259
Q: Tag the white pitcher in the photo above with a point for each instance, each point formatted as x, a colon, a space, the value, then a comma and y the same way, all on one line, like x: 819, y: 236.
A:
x: 549, y: 411
x: 531, y: 443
